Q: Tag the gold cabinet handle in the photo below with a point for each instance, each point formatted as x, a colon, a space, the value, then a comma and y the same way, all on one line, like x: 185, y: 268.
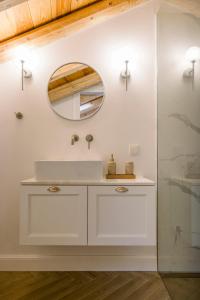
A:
x: 121, y: 189
x: 53, y: 189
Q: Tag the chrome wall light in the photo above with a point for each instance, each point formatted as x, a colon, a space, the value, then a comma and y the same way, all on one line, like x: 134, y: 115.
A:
x: 125, y: 74
x: 22, y: 54
x: 25, y: 73
x: 193, y: 56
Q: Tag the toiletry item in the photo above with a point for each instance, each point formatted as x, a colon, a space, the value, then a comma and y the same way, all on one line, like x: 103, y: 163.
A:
x: 111, y: 165
x: 129, y: 167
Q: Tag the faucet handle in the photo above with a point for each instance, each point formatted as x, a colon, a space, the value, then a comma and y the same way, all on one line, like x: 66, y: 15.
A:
x: 89, y: 138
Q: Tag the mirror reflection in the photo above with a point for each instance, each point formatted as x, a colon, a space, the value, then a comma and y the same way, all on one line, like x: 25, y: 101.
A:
x: 75, y: 91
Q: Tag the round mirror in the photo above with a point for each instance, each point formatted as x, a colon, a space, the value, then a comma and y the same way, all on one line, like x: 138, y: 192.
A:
x: 75, y: 91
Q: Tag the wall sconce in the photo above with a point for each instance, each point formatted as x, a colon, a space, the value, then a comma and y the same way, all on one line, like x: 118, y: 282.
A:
x: 25, y: 73
x: 22, y: 53
x: 192, y: 55
x: 126, y: 74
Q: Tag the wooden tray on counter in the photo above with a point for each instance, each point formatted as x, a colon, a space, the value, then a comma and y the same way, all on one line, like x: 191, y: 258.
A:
x: 120, y: 176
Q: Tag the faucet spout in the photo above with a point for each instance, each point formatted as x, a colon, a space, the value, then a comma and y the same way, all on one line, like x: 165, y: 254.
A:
x: 74, y: 139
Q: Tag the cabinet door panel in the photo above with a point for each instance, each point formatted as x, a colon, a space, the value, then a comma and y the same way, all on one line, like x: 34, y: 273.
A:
x: 49, y: 218
x: 127, y: 218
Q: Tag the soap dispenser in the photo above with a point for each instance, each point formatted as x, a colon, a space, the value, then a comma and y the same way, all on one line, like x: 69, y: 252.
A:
x: 111, y: 165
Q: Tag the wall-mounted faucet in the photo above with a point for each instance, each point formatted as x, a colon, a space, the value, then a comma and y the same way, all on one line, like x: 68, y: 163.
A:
x: 74, y: 139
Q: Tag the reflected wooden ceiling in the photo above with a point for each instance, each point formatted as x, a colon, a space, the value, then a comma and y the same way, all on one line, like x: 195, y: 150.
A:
x: 71, y: 79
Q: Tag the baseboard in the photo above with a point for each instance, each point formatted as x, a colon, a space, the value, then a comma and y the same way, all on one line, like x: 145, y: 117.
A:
x: 77, y: 263
x: 179, y: 275
x: 178, y: 264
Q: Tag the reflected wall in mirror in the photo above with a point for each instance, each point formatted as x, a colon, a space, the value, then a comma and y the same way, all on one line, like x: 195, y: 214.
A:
x: 75, y: 91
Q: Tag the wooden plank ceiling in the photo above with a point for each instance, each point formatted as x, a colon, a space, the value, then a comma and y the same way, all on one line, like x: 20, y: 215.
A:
x: 38, y: 22
x: 30, y: 14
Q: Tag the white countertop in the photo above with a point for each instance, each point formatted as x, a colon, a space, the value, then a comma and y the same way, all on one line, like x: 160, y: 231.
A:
x: 137, y: 181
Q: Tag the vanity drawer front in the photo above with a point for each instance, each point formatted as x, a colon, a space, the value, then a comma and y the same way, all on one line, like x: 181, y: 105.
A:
x: 53, y: 215
x: 123, y: 215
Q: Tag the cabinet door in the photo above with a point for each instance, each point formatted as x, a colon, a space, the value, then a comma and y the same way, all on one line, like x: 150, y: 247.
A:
x: 122, y: 216
x: 53, y: 216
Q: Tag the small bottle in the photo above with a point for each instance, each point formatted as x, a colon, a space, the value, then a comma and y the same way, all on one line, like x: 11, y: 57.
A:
x: 111, y: 165
x: 129, y: 167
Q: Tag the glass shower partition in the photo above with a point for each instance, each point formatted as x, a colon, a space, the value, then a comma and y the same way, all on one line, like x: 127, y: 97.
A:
x: 178, y: 151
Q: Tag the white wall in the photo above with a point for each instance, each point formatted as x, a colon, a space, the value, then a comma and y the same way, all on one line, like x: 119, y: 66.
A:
x: 125, y: 117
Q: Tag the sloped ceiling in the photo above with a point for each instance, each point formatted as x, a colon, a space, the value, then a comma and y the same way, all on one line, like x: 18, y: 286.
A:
x: 20, y: 16
x: 190, y: 6
x: 37, y: 22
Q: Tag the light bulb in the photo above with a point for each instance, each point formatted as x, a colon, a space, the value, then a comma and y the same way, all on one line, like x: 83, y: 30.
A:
x: 193, y: 54
x: 22, y: 52
x: 122, y: 54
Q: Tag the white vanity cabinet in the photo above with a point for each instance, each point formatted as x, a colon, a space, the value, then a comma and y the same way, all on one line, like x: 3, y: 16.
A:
x: 100, y: 213
x: 53, y: 215
x: 121, y: 215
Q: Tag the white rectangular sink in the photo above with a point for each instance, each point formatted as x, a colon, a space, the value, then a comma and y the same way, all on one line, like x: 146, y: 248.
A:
x: 68, y: 170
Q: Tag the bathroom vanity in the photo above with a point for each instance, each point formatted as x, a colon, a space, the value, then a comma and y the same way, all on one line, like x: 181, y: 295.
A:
x: 88, y: 212
x: 69, y: 202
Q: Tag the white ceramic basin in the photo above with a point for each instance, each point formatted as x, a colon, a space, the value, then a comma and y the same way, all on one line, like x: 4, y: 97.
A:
x: 68, y: 170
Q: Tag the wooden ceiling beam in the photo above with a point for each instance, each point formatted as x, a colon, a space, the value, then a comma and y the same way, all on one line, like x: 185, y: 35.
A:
x: 6, y: 4
x: 95, y: 13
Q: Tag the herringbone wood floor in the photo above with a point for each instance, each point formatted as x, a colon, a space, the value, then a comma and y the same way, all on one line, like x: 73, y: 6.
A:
x: 82, y: 286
